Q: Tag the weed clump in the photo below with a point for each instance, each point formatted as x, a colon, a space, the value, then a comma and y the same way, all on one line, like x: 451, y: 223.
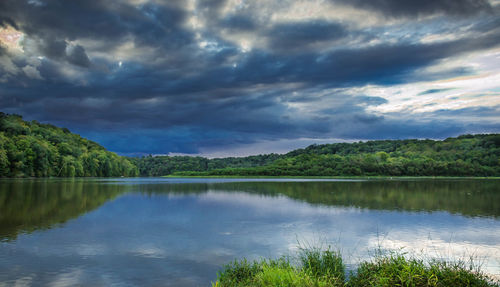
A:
x: 318, y: 268
x: 396, y: 270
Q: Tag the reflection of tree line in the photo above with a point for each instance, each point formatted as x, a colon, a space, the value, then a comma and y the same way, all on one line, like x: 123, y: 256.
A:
x: 467, y: 197
x: 473, y: 198
x: 29, y: 205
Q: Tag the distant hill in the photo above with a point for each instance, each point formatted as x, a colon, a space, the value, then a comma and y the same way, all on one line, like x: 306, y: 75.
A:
x: 165, y: 165
x: 32, y: 149
x: 467, y: 155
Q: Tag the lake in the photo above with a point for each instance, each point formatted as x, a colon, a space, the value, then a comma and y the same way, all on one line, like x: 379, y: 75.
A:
x: 179, y: 232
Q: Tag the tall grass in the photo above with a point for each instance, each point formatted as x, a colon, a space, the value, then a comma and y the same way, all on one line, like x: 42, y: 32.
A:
x: 318, y: 268
x: 396, y: 270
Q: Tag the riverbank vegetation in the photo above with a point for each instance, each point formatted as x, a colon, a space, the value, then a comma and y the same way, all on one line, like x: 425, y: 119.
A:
x: 32, y: 149
x: 325, y: 268
x: 467, y: 155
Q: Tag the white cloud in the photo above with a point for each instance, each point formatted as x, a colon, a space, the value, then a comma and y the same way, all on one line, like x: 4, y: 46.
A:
x: 479, y: 90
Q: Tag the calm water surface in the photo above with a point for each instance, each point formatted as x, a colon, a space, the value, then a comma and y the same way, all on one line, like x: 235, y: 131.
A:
x: 179, y: 232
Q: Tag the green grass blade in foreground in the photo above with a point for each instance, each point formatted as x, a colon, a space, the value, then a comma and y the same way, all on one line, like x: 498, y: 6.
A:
x: 325, y: 268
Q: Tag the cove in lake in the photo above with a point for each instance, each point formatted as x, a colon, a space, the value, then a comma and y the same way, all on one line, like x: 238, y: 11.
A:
x: 179, y: 232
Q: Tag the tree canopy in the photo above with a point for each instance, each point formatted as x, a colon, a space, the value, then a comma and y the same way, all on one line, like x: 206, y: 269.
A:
x: 32, y: 149
x: 467, y: 155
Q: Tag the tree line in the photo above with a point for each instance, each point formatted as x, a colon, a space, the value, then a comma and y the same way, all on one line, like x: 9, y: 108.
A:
x: 467, y: 155
x: 165, y: 165
x: 32, y: 149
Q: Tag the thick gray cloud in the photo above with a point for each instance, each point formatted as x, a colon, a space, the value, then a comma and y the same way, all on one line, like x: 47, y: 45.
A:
x: 77, y: 56
x: 414, y: 8
x: 297, y: 36
x: 238, y: 23
x: 165, y: 77
x: 58, y: 49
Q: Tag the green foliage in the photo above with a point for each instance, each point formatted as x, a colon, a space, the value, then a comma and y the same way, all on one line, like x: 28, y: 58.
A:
x: 469, y: 155
x: 238, y: 273
x: 31, y: 149
x: 278, y: 276
x: 396, y: 270
x: 327, y: 265
x: 325, y: 268
x: 317, y: 269
x: 165, y: 165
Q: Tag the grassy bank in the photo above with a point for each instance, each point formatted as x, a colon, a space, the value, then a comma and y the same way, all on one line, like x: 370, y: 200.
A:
x: 325, y: 268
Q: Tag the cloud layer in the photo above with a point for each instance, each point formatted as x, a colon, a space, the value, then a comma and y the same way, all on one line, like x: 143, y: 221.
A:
x: 218, y: 76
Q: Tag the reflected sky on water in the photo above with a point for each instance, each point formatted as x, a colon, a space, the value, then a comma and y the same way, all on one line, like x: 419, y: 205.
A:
x: 178, y: 232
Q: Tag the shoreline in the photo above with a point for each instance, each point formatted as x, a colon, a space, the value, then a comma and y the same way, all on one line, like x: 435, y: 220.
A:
x: 332, y: 177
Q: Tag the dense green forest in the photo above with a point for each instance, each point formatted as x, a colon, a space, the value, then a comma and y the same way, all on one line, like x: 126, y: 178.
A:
x: 32, y: 149
x: 467, y: 155
x: 165, y: 165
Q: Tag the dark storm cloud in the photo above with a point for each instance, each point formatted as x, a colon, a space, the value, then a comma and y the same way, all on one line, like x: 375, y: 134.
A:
x: 238, y: 22
x: 414, y: 8
x: 56, y: 22
x: 77, y: 56
x: 53, y: 48
x: 382, y: 64
x: 292, y: 36
x: 58, y: 49
x: 211, y: 102
x: 181, y: 96
x: 94, y: 19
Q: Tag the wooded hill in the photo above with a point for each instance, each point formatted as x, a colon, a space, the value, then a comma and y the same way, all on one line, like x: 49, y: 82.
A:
x: 32, y: 149
x: 467, y: 155
x: 165, y: 165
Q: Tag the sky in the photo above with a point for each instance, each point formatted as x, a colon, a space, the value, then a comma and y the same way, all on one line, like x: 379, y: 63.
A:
x: 238, y: 77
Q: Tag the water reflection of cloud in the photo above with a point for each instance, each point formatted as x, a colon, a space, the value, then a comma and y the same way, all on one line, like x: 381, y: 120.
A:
x: 90, y: 249
x: 485, y: 256
x: 148, y: 251
x: 275, y: 204
x: 22, y: 282
x: 71, y: 277
x: 358, y: 233
x: 191, y: 236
